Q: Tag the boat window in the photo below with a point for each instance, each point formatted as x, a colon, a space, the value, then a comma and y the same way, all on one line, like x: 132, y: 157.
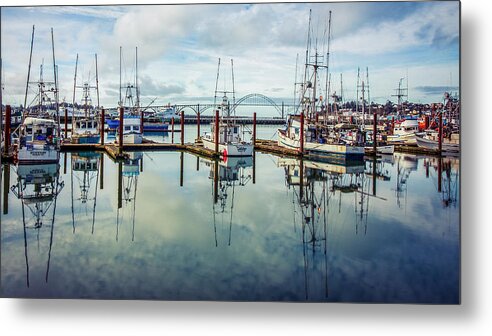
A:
x: 128, y: 128
x: 235, y: 129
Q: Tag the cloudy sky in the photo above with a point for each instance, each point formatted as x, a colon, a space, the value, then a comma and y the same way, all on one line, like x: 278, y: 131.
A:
x: 179, y: 45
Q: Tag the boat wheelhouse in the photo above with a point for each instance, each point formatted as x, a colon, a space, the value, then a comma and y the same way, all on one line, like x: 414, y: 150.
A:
x: 38, y: 141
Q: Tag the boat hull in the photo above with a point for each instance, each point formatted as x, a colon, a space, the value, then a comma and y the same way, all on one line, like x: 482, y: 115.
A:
x: 321, y: 149
x: 405, y: 139
x: 86, y: 139
x: 37, y: 154
x: 230, y: 149
x: 434, y: 145
x: 132, y: 138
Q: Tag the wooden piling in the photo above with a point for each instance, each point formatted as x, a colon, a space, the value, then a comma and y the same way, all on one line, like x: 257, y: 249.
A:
x: 8, y: 116
x: 66, y: 122
x: 182, y: 127
x: 120, y: 128
x: 101, y: 132
x: 120, y: 185
x: 254, y: 128
x: 301, y: 148
x: 6, y: 185
x: 216, y: 131
x: 439, y: 174
x: 101, y: 172
x: 198, y: 122
x: 440, y: 132
x: 375, y: 133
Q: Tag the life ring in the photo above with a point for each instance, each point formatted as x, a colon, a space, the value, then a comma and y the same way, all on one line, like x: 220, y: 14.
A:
x: 224, y: 154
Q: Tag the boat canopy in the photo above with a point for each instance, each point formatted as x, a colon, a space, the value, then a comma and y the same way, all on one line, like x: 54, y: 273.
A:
x: 38, y: 121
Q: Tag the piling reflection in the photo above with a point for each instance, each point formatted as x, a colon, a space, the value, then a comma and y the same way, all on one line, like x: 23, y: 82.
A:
x: 38, y: 187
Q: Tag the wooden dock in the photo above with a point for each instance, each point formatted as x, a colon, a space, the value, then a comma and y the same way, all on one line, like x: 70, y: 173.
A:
x: 265, y: 146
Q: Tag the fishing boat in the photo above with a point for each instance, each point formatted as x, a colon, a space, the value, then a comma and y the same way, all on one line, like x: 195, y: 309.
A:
x: 131, y: 130
x: 303, y: 132
x: 86, y: 129
x: 229, y: 135
x: 430, y: 140
x: 133, y: 114
x: 405, y: 133
x: 38, y: 142
x: 38, y: 136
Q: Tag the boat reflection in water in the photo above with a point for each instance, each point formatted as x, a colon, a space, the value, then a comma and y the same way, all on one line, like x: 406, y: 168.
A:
x: 85, y: 171
x: 445, y: 174
x: 226, y: 175
x: 315, y: 185
x: 38, y: 187
x: 128, y: 173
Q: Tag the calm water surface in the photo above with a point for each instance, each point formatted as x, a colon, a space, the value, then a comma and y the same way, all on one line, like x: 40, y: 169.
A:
x: 173, y: 226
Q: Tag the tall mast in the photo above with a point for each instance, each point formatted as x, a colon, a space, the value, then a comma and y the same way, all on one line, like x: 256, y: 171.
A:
x: 216, y: 83
x: 28, y: 75
x: 363, y: 108
x: 97, y: 84
x: 74, y: 87
x: 357, y: 91
x: 307, y: 56
x: 56, y: 81
x: 295, y: 80
x: 327, y: 93
x: 341, y: 88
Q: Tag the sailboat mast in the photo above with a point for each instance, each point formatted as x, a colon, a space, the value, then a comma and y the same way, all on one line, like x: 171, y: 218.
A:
x: 74, y: 87
x: 56, y: 81
x: 357, y: 91
x: 28, y: 75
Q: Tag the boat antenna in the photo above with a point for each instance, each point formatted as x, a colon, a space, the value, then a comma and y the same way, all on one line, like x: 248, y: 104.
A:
x: 28, y: 75
x: 216, y: 83
x: 74, y: 86
x: 56, y: 81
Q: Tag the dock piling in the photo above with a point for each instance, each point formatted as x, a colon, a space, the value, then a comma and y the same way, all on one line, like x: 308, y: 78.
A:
x: 6, y: 185
x: 216, y: 131
x: 101, y: 172
x: 8, y: 113
x: 301, y: 148
x: 120, y: 134
x: 254, y: 128
x: 375, y: 132
x: 102, y: 127
x: 182, y: 127
x: 198, y: 122
x: 66, y: 122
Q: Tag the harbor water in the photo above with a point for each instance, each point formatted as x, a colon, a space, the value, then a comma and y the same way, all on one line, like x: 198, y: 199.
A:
x: 174, y: 226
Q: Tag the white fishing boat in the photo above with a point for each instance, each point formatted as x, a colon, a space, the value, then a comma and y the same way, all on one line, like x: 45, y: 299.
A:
x: 386, y: 149
x: 430, y: 140
x: 405, y: 133
x: 133, y: 114
x: 38, y: 142
x: 230, y: 136
x: 86, y: 129
x: 131, y: 130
